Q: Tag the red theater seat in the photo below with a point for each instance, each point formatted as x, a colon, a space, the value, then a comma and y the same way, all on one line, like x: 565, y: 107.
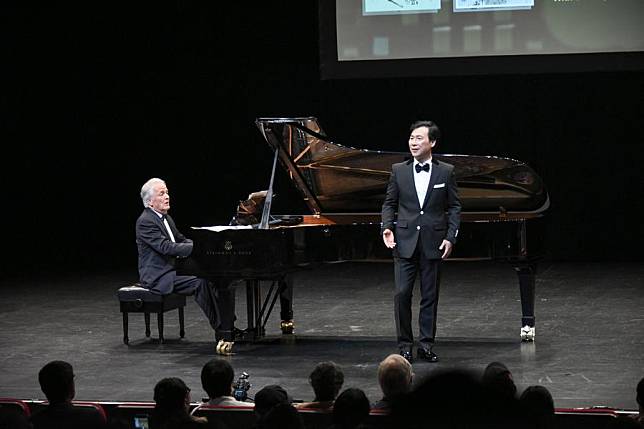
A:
x: 584, y: 418
x: 230, y: 417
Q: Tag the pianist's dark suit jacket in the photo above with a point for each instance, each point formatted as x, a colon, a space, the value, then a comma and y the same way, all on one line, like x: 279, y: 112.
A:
x: 438, y: 218
x: 157, y: 252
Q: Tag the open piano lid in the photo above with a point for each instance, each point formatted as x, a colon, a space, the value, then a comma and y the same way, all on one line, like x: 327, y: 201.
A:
x: 339, y: 179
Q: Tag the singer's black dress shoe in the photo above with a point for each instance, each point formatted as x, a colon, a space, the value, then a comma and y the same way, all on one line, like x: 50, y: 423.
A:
x: 407, y: 355
x: 427, y: 355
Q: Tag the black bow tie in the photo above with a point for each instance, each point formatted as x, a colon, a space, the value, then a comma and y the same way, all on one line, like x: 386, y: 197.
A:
x: 420, y: 168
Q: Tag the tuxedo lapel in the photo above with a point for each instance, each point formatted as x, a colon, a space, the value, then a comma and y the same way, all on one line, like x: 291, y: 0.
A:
x: 155, y: 217
x: 409, y: 183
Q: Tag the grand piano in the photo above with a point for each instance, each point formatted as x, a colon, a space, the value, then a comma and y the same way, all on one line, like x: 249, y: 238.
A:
x: 503, y: 205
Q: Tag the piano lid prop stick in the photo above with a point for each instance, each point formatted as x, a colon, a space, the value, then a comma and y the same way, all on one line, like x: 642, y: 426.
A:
x: 269, y: 196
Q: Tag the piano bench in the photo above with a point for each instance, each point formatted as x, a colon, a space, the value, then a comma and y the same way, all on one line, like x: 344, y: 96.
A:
x: 137, y: 299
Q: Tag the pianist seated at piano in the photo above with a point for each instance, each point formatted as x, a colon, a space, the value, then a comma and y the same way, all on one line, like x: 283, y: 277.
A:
x: 160, y: 244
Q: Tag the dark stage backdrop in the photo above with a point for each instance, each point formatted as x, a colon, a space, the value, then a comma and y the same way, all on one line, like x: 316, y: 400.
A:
x: 97, y: 99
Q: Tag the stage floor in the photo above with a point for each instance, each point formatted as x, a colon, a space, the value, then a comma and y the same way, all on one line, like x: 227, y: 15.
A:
x: 589, y: 348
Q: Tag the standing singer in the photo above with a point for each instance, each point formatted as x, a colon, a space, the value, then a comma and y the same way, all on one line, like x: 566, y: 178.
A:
x: 423, y: 192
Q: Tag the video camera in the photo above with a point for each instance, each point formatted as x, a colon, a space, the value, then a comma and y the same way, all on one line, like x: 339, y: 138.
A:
x: 241, y: 387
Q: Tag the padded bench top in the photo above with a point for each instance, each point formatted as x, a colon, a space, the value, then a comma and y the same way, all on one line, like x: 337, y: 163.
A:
x: 135, y: 291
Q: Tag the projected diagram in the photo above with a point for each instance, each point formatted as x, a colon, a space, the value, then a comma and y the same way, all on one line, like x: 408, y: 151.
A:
x: 491, y: 5
x: 395, y: 7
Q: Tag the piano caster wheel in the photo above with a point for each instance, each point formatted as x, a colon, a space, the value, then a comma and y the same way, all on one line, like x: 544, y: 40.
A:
x: 287, y: 326
x: 224, y: 348
x: 527, y: 333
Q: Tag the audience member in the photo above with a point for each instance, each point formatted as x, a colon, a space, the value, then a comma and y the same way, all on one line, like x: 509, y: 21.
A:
x: 351, y: 409
x: 281, y: 416
x: 217, y: 380
x: 624, y: 422
x: 537, y: 403
x: 171, y: 411
x: 57, y: 383
x: 454, y: 398
x: 326, y: 379
x: 394, y: 376
x: 269, y: 397
x: 13, y: 419
x: 498, y: 377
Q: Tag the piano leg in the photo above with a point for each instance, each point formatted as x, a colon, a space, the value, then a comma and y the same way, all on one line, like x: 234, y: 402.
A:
x: 259, y: 309
x: 526, y: 273
x: 286, y: 305
x: 253, y: 306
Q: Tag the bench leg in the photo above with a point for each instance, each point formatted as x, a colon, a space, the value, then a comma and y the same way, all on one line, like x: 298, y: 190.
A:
x: 147, y: 324
x: 126, y: 339
x: 160, y: 323
x: 182, y: 332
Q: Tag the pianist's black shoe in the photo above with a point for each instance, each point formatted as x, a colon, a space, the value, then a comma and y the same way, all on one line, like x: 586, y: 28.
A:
x: 407, y: 355
x: 427, y: 355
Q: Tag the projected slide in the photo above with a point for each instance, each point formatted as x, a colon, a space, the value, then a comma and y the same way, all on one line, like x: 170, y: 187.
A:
x: 416, y: 29
x: 491, y: 5
x: 395, y: 7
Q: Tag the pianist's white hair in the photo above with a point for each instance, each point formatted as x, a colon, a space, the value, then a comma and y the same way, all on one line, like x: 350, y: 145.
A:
x: 147, y: 190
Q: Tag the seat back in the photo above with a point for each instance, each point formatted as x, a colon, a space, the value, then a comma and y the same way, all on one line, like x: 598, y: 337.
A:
x: 131, y: 415
x: 232, y: 417
x: 15, y: 405
x: 37, y: 405
x: 584, y: 418
x: 322, y: 419
x: 92, y: 405
x: 316, y: 419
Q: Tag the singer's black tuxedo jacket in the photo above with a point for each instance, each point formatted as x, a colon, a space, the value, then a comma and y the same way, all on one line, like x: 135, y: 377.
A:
x: 437, y: 219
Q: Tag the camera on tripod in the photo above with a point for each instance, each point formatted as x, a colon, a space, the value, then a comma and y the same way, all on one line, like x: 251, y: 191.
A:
x: 241, y: 387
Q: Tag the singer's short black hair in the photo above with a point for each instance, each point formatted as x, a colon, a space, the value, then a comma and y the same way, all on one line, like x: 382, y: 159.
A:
x: 217, y: 378
x: 432, y: 129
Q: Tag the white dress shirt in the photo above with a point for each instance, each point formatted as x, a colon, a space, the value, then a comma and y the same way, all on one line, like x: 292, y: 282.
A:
x: 167, y: 225
x: 421, y: 180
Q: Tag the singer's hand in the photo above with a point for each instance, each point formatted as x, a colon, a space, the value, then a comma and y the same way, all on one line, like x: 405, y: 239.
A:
x: 388, y: 238
x: 446, y: 247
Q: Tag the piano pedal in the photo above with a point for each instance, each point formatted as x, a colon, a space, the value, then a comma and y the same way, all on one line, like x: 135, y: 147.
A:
x: 527, y: 333
x: 224, y: 348
x: 287, y: 327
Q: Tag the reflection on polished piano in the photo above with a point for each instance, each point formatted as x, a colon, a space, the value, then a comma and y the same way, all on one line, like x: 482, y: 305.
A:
x: 503, y: 204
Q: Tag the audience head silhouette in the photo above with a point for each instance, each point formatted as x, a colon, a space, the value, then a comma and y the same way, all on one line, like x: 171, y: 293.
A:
x: 281, y: 416
x: 538, y: 405
x: 57, y: 381
x: 444, y: 394
x: 172, y: 398
x: 217, y: 378
x: 171, y: 394
x: 326, y: 379
x: 498, y: 377
x: 269, y: 397
x: 351, y: 409
x: 394, y: 376
x: 538, y: 400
